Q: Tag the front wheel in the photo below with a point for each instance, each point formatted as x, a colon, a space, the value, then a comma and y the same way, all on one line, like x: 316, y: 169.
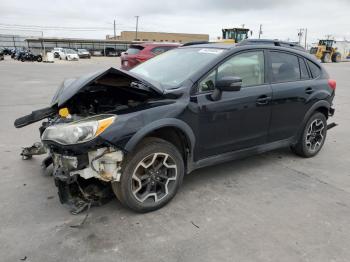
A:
x: 336, y: 58
x: 326, y: 58
x: 151, y: 176
x: 313, y: 137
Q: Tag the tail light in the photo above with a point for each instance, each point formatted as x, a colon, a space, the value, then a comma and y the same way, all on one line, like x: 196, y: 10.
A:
x: 141, y: 59
x: 332, y: 84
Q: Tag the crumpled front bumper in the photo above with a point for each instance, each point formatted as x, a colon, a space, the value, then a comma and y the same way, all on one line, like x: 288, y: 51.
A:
x: 83, y: 180
x: 103, y: 164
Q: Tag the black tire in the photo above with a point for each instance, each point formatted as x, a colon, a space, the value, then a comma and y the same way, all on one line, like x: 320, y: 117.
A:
x: 336, y: 58
x: 305, y: 147
x: 156, y: 190
x: 326, y: 58
x: 39, y: 59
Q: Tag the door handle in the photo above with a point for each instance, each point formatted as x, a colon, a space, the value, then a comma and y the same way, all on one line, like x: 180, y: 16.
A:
x: 263, y: 100
x: 309, y: 90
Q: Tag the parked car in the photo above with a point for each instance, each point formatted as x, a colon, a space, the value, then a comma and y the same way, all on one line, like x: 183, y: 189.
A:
x: 96, y: 52
x: 7, y: 51
x: 69, y: 54
x: 110, y: 51
x: 57, y: 51
x: 142, y: 130
x: 83, y: 53
x: 2, y: 56
x: 138, y: 53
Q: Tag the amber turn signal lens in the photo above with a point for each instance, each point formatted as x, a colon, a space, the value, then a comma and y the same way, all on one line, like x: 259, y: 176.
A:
x: 103, y: 124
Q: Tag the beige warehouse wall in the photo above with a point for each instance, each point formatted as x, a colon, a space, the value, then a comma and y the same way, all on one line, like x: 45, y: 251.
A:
x: 161, y: 37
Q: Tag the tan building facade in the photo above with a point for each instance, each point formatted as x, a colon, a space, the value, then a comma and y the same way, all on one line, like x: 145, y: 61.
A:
x: 159, y: 37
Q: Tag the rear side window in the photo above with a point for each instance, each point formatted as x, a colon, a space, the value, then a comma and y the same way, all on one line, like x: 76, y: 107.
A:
x: 161, y: 49
x: 285, y: 67
x: 315, y: 70
x: 133, y: 50
x: 304, y: 74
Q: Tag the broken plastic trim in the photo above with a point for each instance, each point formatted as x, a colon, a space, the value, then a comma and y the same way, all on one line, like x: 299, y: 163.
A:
x: 36, y: 149
x: 82, y: 194
x: 35, y: 116
x: 331, y: 125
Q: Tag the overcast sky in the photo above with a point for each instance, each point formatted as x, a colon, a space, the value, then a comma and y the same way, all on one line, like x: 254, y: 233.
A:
x: 280, y: 18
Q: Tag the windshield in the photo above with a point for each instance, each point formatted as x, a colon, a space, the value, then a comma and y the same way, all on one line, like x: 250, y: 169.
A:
x: 82, y: 50
x: 326, y: 42
x: 70, y: 51
x: 173, y: 67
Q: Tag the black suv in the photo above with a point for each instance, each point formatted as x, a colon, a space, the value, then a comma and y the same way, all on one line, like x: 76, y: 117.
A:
x: 140, y: 131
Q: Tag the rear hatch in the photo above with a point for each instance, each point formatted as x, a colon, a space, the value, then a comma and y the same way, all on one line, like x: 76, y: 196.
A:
x: 129, y: 58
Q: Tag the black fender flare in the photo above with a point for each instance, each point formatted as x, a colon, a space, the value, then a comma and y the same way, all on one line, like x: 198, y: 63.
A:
x: 312, y: 109
x: 165, y: 122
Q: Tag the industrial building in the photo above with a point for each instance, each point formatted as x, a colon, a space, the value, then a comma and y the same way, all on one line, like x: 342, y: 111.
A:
x: 158, y: 37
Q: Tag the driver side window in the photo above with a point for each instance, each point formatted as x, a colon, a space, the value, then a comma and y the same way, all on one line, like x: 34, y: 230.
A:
x: 248, y: 65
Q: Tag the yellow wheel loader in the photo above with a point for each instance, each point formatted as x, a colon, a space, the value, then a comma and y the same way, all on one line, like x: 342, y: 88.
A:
x: 327, y: 51
x: 234, y: 35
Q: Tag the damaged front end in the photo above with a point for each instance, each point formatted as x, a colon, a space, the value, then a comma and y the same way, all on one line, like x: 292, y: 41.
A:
x: 84, y: 180
x: 84, y: 161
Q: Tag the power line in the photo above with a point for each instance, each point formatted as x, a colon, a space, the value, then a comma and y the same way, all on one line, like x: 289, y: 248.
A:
x: 54, y: 27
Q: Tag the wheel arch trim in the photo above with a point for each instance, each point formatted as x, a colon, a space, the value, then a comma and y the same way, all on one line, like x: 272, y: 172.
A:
x: 312, y: 109
x: 162, y: 123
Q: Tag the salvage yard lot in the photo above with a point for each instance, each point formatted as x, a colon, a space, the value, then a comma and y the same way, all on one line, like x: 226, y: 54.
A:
x: 271, y: 207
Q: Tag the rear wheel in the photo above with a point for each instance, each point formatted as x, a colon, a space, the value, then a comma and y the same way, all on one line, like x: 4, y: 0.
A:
x: 326, y: 58
x: 151, y: 176
x: 312, y: 139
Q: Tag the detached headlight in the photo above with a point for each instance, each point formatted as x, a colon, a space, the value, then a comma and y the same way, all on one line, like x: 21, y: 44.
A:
x: 78, y: 131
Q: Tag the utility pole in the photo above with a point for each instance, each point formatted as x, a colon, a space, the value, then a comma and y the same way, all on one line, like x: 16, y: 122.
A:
x: 305, y: 38
x: 115, y: 38
x: 137, y: 26
x: 115, y: 35
x: 42, y: 39
x: 260, y: 31
x: 300, y: 34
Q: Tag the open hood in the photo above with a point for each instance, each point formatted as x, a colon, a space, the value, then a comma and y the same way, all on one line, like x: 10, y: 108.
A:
x: 102, y: 86
x: 71, y: 87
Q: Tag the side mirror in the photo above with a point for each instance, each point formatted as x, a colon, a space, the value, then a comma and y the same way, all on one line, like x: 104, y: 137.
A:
x: 228, y: 84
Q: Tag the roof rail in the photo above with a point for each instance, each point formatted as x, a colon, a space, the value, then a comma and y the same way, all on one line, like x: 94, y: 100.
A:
x: 196, y: 43
x: 274, y: 42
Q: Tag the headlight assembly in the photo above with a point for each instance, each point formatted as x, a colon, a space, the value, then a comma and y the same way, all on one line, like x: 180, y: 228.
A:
x: 78, y: 131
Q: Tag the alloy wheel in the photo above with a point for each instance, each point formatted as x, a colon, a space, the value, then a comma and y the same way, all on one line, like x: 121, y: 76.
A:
x: 314, y: 135
x: 154, y: 177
